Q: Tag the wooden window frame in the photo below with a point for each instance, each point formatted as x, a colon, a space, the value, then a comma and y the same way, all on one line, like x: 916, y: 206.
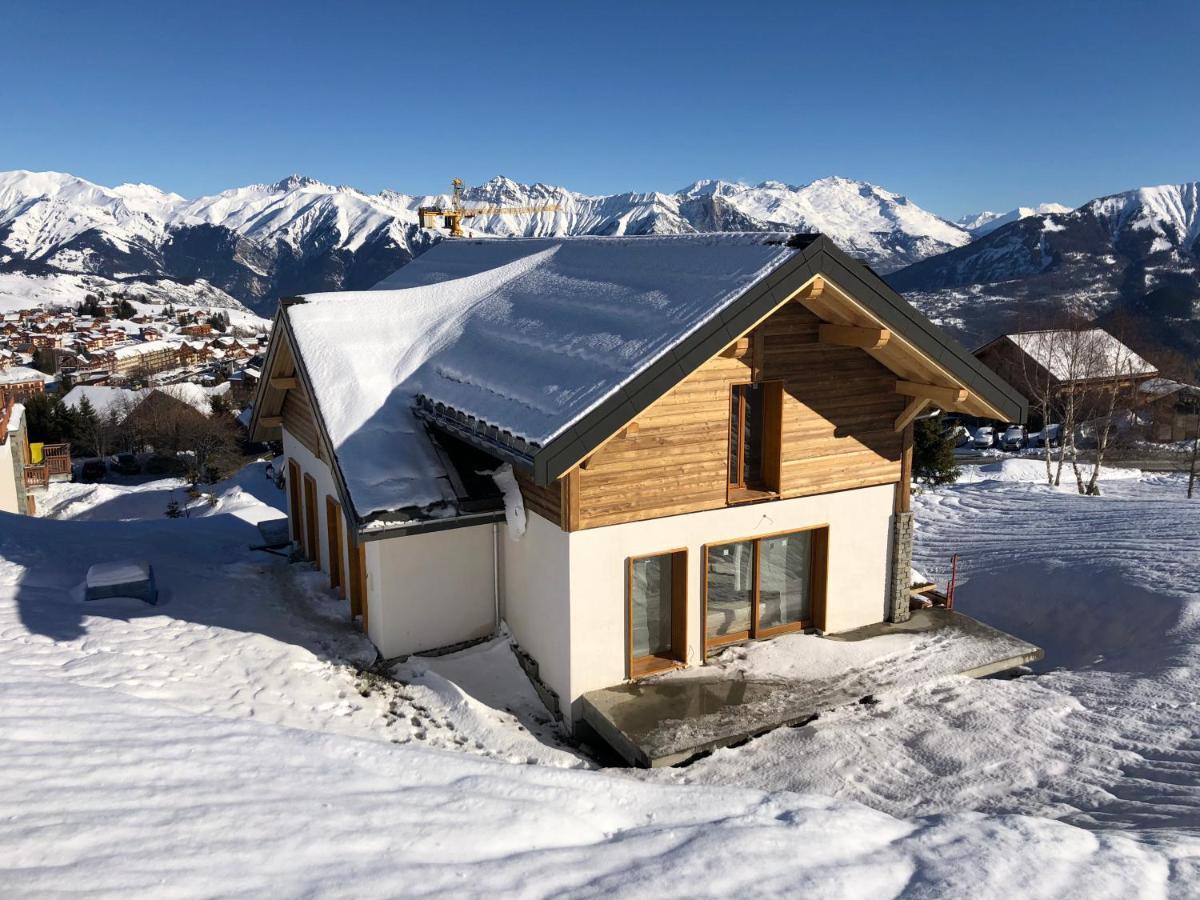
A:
x: 772, y: 444
x: 311, y: 517
x: 639, y: 667
x: 818, y: 585
x: 295, y: 508
x: 333, y: 532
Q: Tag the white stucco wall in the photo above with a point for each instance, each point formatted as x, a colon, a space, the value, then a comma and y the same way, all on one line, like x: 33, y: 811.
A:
x: 430, y: 590
x: 310, y: 465
x: 859, y: 533
x: 12, y: 463
x: 9, y: 501
x: 423, y: 591
x: 535, y: 598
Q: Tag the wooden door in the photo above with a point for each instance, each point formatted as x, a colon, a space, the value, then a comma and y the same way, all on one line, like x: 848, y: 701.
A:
x: 358, y: 581
x: 310, y: 517
x: 333, y: 529
x: 295, y: 517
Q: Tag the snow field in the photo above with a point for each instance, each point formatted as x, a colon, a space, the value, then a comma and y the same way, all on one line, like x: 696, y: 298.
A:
x: 228, y: 741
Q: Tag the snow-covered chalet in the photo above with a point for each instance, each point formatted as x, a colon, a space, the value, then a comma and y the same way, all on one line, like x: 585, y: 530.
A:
x: 631, y: 450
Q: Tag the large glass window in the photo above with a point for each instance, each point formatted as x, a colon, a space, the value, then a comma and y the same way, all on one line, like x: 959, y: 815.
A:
x: 763, y: 586
x: 785, y: 580
x: 657, y: 595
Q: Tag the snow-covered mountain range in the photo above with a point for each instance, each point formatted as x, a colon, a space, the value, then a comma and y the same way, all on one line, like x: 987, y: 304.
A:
x: 253, y: 244
x: 1136, y: 252
x: 981, y: 223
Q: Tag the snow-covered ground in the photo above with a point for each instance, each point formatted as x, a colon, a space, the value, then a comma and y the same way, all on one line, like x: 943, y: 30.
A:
x: 235, y: 739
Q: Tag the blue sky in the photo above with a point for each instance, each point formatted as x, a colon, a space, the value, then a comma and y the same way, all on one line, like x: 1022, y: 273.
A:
x: 961, y: 106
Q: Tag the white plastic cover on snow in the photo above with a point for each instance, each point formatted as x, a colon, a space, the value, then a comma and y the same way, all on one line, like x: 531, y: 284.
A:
x: 527, y: 335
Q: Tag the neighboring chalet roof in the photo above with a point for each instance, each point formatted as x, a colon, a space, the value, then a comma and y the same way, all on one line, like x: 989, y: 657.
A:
x: 1158, y: 388
x: 1078, y: 355
x: 133, y: 350
x: 538, y: 350
x: 21, y: 374
x: 104, y: 398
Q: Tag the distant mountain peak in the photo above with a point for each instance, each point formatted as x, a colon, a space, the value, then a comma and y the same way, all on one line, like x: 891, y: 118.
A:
x: 299, y: 234
x: 295, y: 182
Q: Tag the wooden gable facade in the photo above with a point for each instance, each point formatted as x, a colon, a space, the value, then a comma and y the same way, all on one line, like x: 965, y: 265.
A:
x: 843, y: 421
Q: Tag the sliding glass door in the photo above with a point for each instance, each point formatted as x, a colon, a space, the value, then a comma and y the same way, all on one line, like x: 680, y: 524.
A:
x: 764, y: 586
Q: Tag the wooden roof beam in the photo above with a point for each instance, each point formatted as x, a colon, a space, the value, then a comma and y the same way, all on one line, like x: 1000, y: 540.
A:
x: 854, y: 336
x: 285, y: 382
x: 915, y: 407
x: 270, y: 421
x: 935, y: 393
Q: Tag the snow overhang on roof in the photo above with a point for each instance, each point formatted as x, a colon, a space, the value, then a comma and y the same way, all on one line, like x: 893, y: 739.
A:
x: 538, y: 350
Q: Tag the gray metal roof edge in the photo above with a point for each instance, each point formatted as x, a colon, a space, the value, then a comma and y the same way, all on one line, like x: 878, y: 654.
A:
x: 455, y: 428
x: 819, y: 256
x: 431, y: 525
x: 886, y: 303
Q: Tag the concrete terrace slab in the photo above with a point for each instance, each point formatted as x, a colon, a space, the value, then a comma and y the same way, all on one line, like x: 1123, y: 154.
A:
x: 752, y: 689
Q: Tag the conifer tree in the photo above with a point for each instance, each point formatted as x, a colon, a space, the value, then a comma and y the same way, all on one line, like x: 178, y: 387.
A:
x: 933, y: 452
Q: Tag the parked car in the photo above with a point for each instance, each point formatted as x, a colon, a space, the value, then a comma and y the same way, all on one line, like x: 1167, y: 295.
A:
x: 960, y: 435
x: 1051, y: 433
x: 1015, y: 438
x: 984, y: 437
x: 92, y: 470
x: 126, y: 464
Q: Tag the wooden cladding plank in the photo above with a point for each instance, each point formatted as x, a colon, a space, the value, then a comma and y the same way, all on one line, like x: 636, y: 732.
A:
x: 300, y: 422
x: 545, y: 501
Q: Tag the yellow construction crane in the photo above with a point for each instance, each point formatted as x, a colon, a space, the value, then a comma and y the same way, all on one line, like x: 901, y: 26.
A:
x: 453, y: 217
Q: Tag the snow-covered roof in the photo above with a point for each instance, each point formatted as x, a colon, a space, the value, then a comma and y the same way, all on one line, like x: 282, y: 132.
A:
x: 1081, y: 355
x: 1165, y: 387
x: 526, y: 335
x: 104, y: 398
x: 141, y: 349
x: 17, y: 374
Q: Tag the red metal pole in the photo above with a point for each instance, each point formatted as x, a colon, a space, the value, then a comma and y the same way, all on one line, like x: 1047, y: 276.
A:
x: 953, y: 579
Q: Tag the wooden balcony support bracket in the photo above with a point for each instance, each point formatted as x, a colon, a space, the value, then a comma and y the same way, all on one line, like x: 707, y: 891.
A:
x: 854, y: 336
x: 270, y: 421
x: 915, y: 407
x: 935, y: 393
x: 285, y: 382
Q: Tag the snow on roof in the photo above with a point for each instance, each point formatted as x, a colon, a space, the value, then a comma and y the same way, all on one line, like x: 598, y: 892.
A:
x: 140, y: 349
x: 527, y: 335
x: 16, y: 374
x: 1078, y: 355
x: 1165, y: 387
x: 104, y: 398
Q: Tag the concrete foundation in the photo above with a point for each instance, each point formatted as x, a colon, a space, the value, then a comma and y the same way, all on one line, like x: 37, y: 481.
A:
x: 666, y: 721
